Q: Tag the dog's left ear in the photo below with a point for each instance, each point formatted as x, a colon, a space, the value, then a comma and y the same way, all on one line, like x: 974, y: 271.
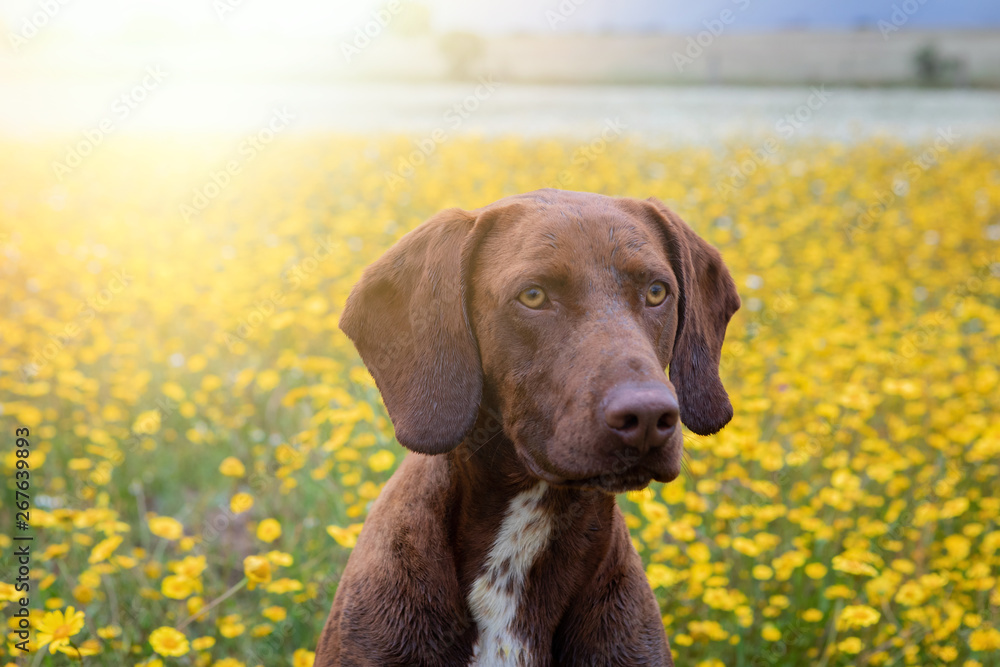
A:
x: 707, y: 300
x: 407, y: 319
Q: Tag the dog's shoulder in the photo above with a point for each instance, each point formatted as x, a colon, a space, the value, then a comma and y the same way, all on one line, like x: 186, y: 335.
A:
x: 399, y: 596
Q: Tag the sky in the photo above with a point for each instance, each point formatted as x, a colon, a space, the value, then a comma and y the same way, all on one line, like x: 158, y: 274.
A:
x: 326, y: 17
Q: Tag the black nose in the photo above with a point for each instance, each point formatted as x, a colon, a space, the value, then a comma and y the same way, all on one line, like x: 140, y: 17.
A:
x: 643, y: 415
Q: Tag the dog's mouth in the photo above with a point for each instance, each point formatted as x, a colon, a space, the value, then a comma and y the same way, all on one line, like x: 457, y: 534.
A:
x: 634, y: 479
x: 626, y: 473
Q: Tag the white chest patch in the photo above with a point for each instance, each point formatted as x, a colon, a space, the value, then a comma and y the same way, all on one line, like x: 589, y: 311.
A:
x: 496, y: 595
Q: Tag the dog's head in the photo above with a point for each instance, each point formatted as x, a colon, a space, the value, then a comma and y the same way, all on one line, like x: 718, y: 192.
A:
x: 560, y: 310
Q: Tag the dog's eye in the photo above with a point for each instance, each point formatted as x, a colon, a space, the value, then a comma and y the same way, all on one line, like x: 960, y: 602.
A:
x: 533, y: 297
x: 656, y: 293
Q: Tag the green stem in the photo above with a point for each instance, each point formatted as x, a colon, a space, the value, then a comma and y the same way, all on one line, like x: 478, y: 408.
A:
x: 214, y: 603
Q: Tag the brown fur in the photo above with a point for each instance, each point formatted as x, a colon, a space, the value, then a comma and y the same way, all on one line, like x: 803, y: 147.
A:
x: 495, y: 396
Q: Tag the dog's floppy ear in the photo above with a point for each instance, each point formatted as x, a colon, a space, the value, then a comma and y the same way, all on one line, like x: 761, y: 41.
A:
x: 707, y: 300
x: 406, y: 318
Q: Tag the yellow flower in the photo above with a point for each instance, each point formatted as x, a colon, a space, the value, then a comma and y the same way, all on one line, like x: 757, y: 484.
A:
x: 303, y: 658
x: 815, y: 570
x: 284, y: 585
x: 166, y: 527
x: 948, y: 653
x: 231, y: 626
x: 202, y: 643
x: 147, y: 423
x: 257, y: 570
x: 812, y: 615
x: 56, y: 628
x: 241, y: 502
x: 838, y: 591
x: 985, y: 639
x: 345, y: 537
x: 280, y: 558
x: 83, y: 594
x: 770, y: 632
x: 232, y: 467
x: 268, y: 379
x: 658, y: 575
x: 177, y: 587
x: 275, y: 614
x: 911, y: 594
x: 381, y: 460
x: 268, y: 530
x: 851, y: 646
x: 857, y: 616
x: 104, y: 549
x: 194, y: 604
x: 852, y: 566
x: 9, y: 592
x: 228, y: 662
x: 168, y: 642
x: 83, y: 649
x: 55, y: 551
x: 190, y: 566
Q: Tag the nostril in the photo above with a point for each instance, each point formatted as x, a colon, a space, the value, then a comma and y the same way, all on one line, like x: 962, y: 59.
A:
x: 630, y: 423
x: 667, y: 421
x: 623, y: 419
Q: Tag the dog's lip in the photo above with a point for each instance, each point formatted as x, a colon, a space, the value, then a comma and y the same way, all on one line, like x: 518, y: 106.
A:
x: 539, y: 472
x: 633, y: 479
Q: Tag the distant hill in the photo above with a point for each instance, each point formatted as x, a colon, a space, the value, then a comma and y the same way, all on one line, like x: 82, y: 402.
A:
x: 852, y: 14
x: 685, y: 16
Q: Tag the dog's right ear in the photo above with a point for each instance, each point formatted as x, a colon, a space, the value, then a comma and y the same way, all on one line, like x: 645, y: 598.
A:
x: 707, y: 301
x: 407, y: 319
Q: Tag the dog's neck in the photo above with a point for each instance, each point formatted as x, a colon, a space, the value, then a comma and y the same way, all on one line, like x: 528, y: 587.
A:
x: 514, y: 535
x: 488, y: 475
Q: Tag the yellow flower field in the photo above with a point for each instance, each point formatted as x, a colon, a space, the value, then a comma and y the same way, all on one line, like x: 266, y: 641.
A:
x: 205, y: 443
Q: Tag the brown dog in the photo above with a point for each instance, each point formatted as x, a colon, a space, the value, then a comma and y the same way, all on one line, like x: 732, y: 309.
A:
x: 520, y: 351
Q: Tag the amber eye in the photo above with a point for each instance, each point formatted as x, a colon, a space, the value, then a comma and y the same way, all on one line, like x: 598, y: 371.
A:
x: 656, y: 293
x: 533, y: 297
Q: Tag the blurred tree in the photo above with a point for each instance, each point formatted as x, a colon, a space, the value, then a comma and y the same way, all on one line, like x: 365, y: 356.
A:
x: 934, y: 69
x: 462, y: 49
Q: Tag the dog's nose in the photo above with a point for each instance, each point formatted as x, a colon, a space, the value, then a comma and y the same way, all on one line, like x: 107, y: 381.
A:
x: 642, y: 415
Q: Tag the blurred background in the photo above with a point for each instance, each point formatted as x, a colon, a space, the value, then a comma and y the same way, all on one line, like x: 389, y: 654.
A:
x: 190, y: 188
x: 680, y: 69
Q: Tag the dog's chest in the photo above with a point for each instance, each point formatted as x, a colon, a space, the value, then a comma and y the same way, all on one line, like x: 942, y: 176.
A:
x: 496, y: 597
